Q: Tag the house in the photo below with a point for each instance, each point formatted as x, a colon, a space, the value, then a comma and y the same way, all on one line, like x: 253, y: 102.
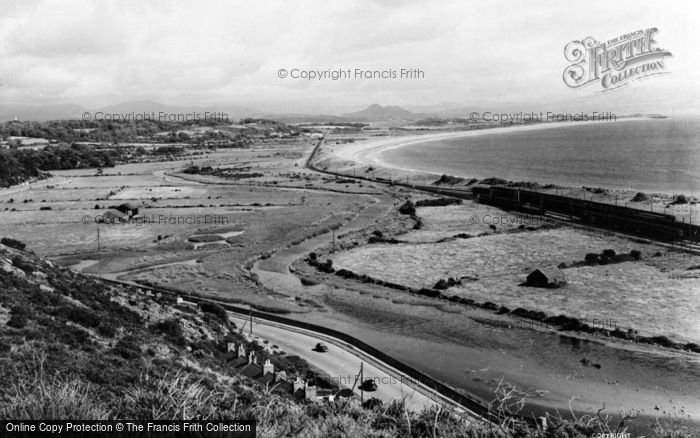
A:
x: 550, y: 277
x: 130, y: 209
x: 266, y: 375
x: 114, y: 216
x: 251, y: 370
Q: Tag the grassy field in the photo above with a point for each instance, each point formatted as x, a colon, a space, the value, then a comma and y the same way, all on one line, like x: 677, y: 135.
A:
x: 621, y: 293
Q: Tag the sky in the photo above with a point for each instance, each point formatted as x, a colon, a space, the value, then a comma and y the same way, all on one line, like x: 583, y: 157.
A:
x: 500, y: 55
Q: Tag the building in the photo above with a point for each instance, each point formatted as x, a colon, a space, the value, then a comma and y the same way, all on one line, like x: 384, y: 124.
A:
x: 550, y: 277
x: 114, y: 216
x: 265, y: 375
x: 130, y: 209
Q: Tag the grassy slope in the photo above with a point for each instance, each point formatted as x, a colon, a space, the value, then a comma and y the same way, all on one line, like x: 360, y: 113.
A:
x: 73, y: 347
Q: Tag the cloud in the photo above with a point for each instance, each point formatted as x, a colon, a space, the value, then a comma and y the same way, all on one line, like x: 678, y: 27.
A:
x: 220, y: 52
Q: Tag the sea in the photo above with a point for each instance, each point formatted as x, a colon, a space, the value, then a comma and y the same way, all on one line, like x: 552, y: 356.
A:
x: 647, y: 155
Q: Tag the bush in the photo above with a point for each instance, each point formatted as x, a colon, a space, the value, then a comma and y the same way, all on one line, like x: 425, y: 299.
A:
x: 680, y: 199
x: 490, y: 306
x: 83, y: 316
x: 636, y: 254
x: 408, y: 208
x: 308, y: 281
x: 440, y: 202
x: 128, y: 348
x: 214, y: 309
x: 106, y: 329
x: 429, y: 292
x: 13, y: 243
x: 169, y: 327
x: 17, y: 321
x: 20, y: 263
x: 326, y: 267
x: 693, y: 347
x: 663, y: 341
x: 592, y: 259
x: 609, y: 253
x: 640, y: 197
x: 419, y: 223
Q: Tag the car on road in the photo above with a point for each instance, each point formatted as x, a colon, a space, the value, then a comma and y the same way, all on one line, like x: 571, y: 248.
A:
x: 369, y: 385
x: 321, y: 347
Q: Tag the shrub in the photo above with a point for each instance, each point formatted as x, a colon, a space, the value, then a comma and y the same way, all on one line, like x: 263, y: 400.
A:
x: 408, y: 208
x: 680, y: 199
x: 636, y: 254
x: 308, y: 281
x: 17, y: 321
x: 441, y: 285
x: 83, y: 316
x: 693, y: 347
x: 106, y: 329
x: 169, y: 327
x: 429, y: 292
x: 490, y: 306
x: 13, y: 243
x: 592, y: 258
x: 494, y: 181
x: 214, y: 309
x: 609, y: 253
x: 449, y: 179
x: 326, y: 267
x: 5, y: 347
x: 440, y: 202
x: 663, y: 341
x: 419, y: 223
x: 128, y: 348
x: 20, y: 263
x: 640, y: 197
x: 503, y: 310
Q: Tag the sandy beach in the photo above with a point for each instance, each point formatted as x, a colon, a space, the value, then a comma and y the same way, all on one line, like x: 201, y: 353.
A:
x: 369, y: 152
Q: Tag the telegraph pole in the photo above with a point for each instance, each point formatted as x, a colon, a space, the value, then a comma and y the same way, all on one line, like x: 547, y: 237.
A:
x: 251, y: 320
x: 362, y: 382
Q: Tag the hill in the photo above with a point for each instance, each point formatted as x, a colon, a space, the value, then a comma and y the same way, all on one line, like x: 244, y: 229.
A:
x: 40, y: 112
x: 377, y: 113
x: 76, y: 347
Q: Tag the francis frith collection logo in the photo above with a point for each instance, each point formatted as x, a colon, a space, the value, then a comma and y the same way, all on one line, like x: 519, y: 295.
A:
x: 615, y: 63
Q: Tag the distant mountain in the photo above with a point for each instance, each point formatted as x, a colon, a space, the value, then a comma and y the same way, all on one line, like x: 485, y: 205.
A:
x: 233, y: 112
x: 42, y: 113
x: 374, y: 113
x: 39, y: 112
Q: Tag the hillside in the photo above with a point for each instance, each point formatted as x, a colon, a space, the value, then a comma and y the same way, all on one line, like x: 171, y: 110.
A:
x: 378, y: 113
x: 74, y: 347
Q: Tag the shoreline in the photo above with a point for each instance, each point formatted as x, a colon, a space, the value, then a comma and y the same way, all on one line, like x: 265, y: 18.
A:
x: 367, y: 153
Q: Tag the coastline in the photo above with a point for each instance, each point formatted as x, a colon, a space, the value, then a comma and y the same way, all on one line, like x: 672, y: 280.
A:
x: 368, y: 152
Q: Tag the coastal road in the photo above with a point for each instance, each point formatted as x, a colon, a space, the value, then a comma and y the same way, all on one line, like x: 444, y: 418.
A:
x: 342, y: 364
